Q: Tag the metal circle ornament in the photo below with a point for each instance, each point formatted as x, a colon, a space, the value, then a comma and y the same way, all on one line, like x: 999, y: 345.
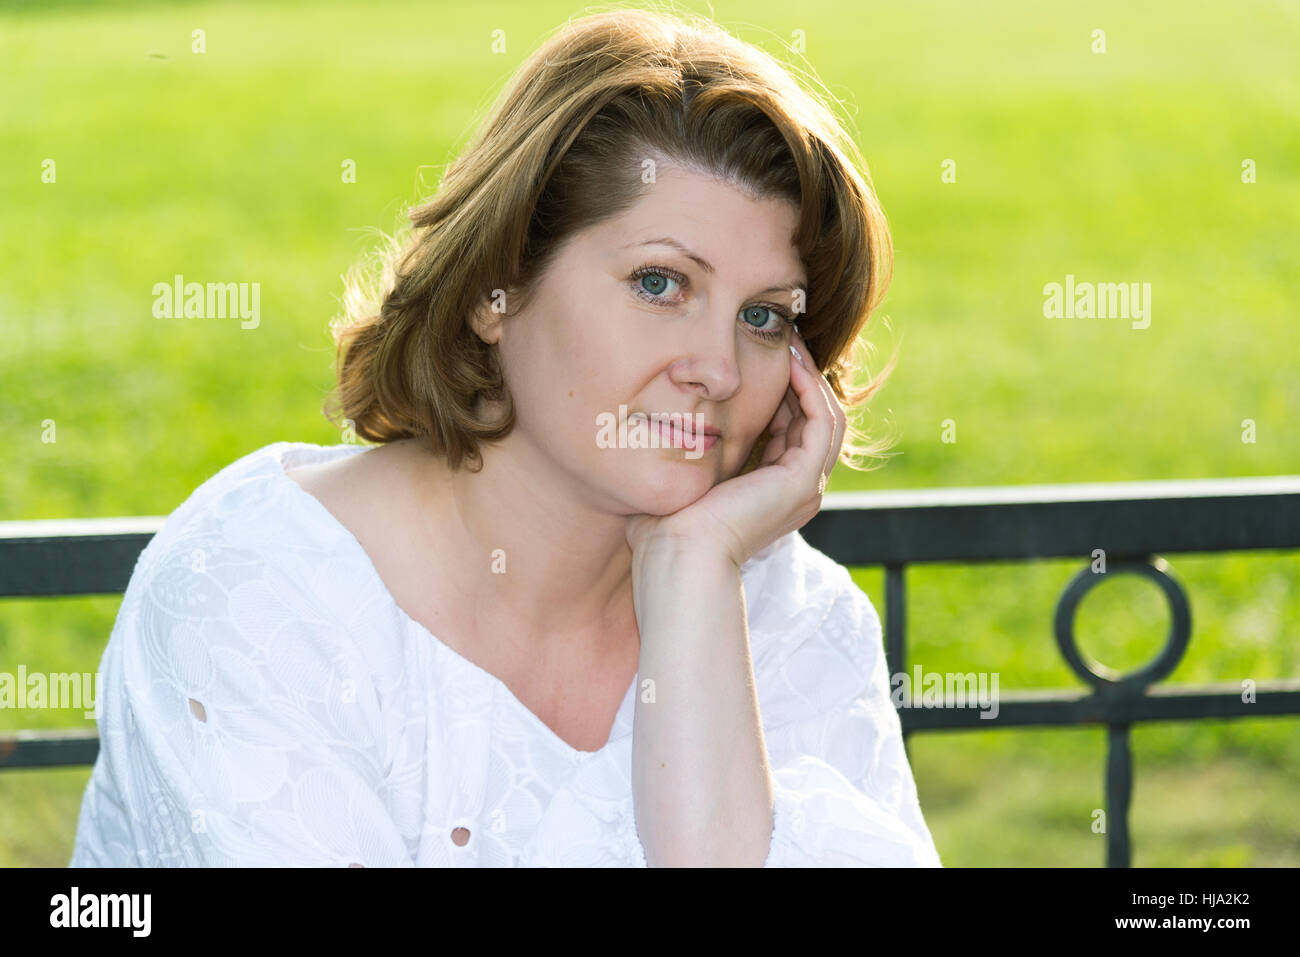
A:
x: 1165, y: 661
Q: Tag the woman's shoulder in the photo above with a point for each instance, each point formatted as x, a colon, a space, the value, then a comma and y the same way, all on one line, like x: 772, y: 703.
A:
x: 251, y: 565
x: 358, y: 491
x: 248, y: 516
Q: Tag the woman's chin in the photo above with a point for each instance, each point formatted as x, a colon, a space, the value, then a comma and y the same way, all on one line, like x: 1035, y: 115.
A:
x: 663, y: 491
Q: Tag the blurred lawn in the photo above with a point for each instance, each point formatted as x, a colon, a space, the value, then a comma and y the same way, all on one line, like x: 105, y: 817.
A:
x: 1123, y: 166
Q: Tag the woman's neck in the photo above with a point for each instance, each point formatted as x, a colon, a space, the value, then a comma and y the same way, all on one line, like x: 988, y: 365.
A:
x: 527, y: 552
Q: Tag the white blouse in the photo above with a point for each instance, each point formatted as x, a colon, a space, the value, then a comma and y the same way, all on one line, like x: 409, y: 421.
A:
x: 331, y: 729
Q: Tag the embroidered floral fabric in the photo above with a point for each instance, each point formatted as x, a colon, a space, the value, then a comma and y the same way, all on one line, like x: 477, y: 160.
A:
x: 265, y: 702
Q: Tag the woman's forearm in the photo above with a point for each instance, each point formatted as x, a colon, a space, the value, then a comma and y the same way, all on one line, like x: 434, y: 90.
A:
x: 700, y: 777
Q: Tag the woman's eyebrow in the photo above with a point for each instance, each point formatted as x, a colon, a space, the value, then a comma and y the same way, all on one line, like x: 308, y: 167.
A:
x: 704, y: 264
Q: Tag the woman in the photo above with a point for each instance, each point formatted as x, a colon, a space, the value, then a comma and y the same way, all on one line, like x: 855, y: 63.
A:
x: 515, y: 631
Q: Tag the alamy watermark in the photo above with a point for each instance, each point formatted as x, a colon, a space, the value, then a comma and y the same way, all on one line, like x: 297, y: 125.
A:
x: 179, y: 299
x: 653, y: 430
x: 75, y: 909
x: 1100, y: 300
x: 946, y: 690
x: 56, y: 690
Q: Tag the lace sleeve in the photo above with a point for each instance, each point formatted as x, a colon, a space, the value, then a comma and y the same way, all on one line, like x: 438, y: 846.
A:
x: 843, y: 789
x: 238, y: 724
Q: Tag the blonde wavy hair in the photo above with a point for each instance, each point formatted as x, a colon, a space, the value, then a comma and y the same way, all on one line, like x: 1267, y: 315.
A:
x: 561, y: 150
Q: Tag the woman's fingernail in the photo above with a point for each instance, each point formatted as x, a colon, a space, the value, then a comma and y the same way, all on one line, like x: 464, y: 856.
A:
x: 795, y: 352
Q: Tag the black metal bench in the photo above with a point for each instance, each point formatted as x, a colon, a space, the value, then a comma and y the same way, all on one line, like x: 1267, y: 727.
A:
x: 1132, y: 524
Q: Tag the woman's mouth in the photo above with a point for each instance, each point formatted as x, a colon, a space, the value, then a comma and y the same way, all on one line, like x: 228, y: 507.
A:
x: 682, y: 431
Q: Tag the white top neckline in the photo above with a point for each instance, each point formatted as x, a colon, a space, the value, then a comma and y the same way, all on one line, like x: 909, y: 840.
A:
x: 294, y: 454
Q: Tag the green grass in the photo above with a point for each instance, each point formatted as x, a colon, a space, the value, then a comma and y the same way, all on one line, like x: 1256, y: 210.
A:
x: 1123, y: 166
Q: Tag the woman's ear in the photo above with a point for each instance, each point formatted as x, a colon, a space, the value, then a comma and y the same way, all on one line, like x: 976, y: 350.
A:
x: 486, y: 320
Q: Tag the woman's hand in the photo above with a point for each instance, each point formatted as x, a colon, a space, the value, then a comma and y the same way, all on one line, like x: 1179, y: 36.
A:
x: 745, y: 514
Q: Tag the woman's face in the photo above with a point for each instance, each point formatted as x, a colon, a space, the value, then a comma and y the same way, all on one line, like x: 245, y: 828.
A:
x: 674, y: 306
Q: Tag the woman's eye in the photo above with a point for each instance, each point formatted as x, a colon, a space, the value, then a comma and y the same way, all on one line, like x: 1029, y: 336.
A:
x: 763, y: 318
x: 655, y: 283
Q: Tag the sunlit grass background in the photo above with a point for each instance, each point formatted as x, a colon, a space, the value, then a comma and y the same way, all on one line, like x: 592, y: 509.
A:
x: 1116, y: 166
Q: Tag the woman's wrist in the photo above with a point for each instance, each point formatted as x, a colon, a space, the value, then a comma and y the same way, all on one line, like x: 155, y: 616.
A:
x: 679, y: 550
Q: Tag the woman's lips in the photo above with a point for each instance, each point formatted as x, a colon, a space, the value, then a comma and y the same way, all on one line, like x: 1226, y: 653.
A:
x: 678, y: 431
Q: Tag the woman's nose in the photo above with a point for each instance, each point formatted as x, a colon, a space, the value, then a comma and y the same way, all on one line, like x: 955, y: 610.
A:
x: 708, y: 362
